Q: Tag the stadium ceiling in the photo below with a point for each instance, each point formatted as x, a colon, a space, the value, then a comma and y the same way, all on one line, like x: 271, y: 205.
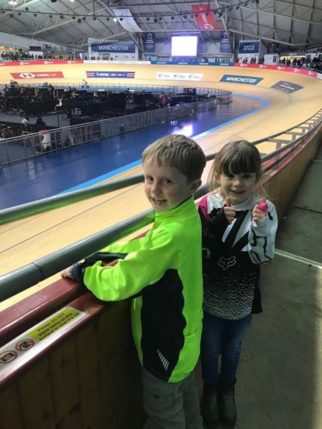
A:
x: 295, y: 25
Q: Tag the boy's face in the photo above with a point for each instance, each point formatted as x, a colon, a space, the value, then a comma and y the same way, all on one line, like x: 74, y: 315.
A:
x: 166, y: 187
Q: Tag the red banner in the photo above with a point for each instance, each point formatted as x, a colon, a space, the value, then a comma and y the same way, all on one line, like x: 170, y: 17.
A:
x: 303, y: 71
x: 38, y: 62
x: 205, y: 19
x: 37, y: 75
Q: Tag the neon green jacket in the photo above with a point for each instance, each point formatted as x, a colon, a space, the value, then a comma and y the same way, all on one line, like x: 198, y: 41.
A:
x: 163, y: 272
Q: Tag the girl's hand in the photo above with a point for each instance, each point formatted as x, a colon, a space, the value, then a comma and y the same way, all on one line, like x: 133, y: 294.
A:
x: 259, y: 211
x: 229, y: 211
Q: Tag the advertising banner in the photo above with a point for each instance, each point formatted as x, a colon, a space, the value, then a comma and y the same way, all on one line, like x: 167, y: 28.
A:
x: 272, y: 48
x: 225, y: 43
x: 249, y: 47
x: 204, y: 17
x: 178, y: 76
x: 149, y: 42
x: 116, y: 47
x: 110, y: 74
x: 296, y: 70
x: 288, y: 87
x: 247, y: 80
x: 37, y: 75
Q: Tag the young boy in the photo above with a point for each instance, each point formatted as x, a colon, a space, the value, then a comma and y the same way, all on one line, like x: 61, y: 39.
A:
x: 162, y: 272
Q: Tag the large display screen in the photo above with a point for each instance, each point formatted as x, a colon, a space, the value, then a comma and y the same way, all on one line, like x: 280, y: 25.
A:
x: 184, y: 46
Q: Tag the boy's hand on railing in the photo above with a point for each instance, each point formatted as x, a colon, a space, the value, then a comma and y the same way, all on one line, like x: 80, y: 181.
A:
x: 74, y: 272
x: 229, y: 211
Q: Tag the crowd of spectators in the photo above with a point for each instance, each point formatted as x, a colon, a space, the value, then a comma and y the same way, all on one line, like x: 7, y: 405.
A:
x: 20, y: 55
x: 24, y: 101
x: 308, y: 61
x: 26, y: 126
x: 80, y: 105
x: 6, y: 132
x: 305, y: 60
x: 30, y: 100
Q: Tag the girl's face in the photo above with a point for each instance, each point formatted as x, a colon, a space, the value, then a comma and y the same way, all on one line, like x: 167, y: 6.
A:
x: 237, y: 187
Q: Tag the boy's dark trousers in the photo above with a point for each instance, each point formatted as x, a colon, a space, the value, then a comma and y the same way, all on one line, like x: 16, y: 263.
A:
x: 171, y: 405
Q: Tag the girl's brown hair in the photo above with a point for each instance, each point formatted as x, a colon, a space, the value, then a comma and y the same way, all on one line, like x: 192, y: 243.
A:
x: 234, y: 158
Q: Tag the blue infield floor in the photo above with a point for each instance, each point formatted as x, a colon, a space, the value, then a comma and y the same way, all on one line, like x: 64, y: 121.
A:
x: 82, y: 166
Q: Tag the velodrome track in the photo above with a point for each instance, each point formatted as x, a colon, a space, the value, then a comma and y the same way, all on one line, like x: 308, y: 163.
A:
x: 31, y: 238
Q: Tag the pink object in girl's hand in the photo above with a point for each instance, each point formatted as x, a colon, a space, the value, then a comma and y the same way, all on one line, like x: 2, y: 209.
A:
x: 262, y: 206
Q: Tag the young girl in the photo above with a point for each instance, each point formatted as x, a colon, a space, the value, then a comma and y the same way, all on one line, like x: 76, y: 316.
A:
x: 239, y: 229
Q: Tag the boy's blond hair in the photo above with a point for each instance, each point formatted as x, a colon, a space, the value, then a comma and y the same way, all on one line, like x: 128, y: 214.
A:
x: 180, y: 152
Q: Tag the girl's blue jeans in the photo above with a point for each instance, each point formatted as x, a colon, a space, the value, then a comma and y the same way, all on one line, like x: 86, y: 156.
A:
x: 221, y: 338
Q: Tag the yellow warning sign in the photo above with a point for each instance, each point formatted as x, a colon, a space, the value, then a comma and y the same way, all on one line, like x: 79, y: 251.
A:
x: 27, y: 342
x: 53, y: 323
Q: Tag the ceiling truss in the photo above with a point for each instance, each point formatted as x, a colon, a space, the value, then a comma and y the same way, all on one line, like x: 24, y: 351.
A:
x: 293, y: 24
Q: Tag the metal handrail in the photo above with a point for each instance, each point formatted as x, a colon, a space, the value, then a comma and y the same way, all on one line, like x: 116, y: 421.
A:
x: 29, y: 209
x: 287, y: 130
x: 22, y: 278
x: 40, y: 269
x: 28, y: 275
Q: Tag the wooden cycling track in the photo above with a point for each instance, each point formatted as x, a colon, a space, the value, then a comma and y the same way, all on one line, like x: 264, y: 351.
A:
x: 28, y: 239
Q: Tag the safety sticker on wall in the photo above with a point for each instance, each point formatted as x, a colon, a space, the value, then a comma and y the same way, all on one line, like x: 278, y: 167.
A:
x: 57, y: 323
